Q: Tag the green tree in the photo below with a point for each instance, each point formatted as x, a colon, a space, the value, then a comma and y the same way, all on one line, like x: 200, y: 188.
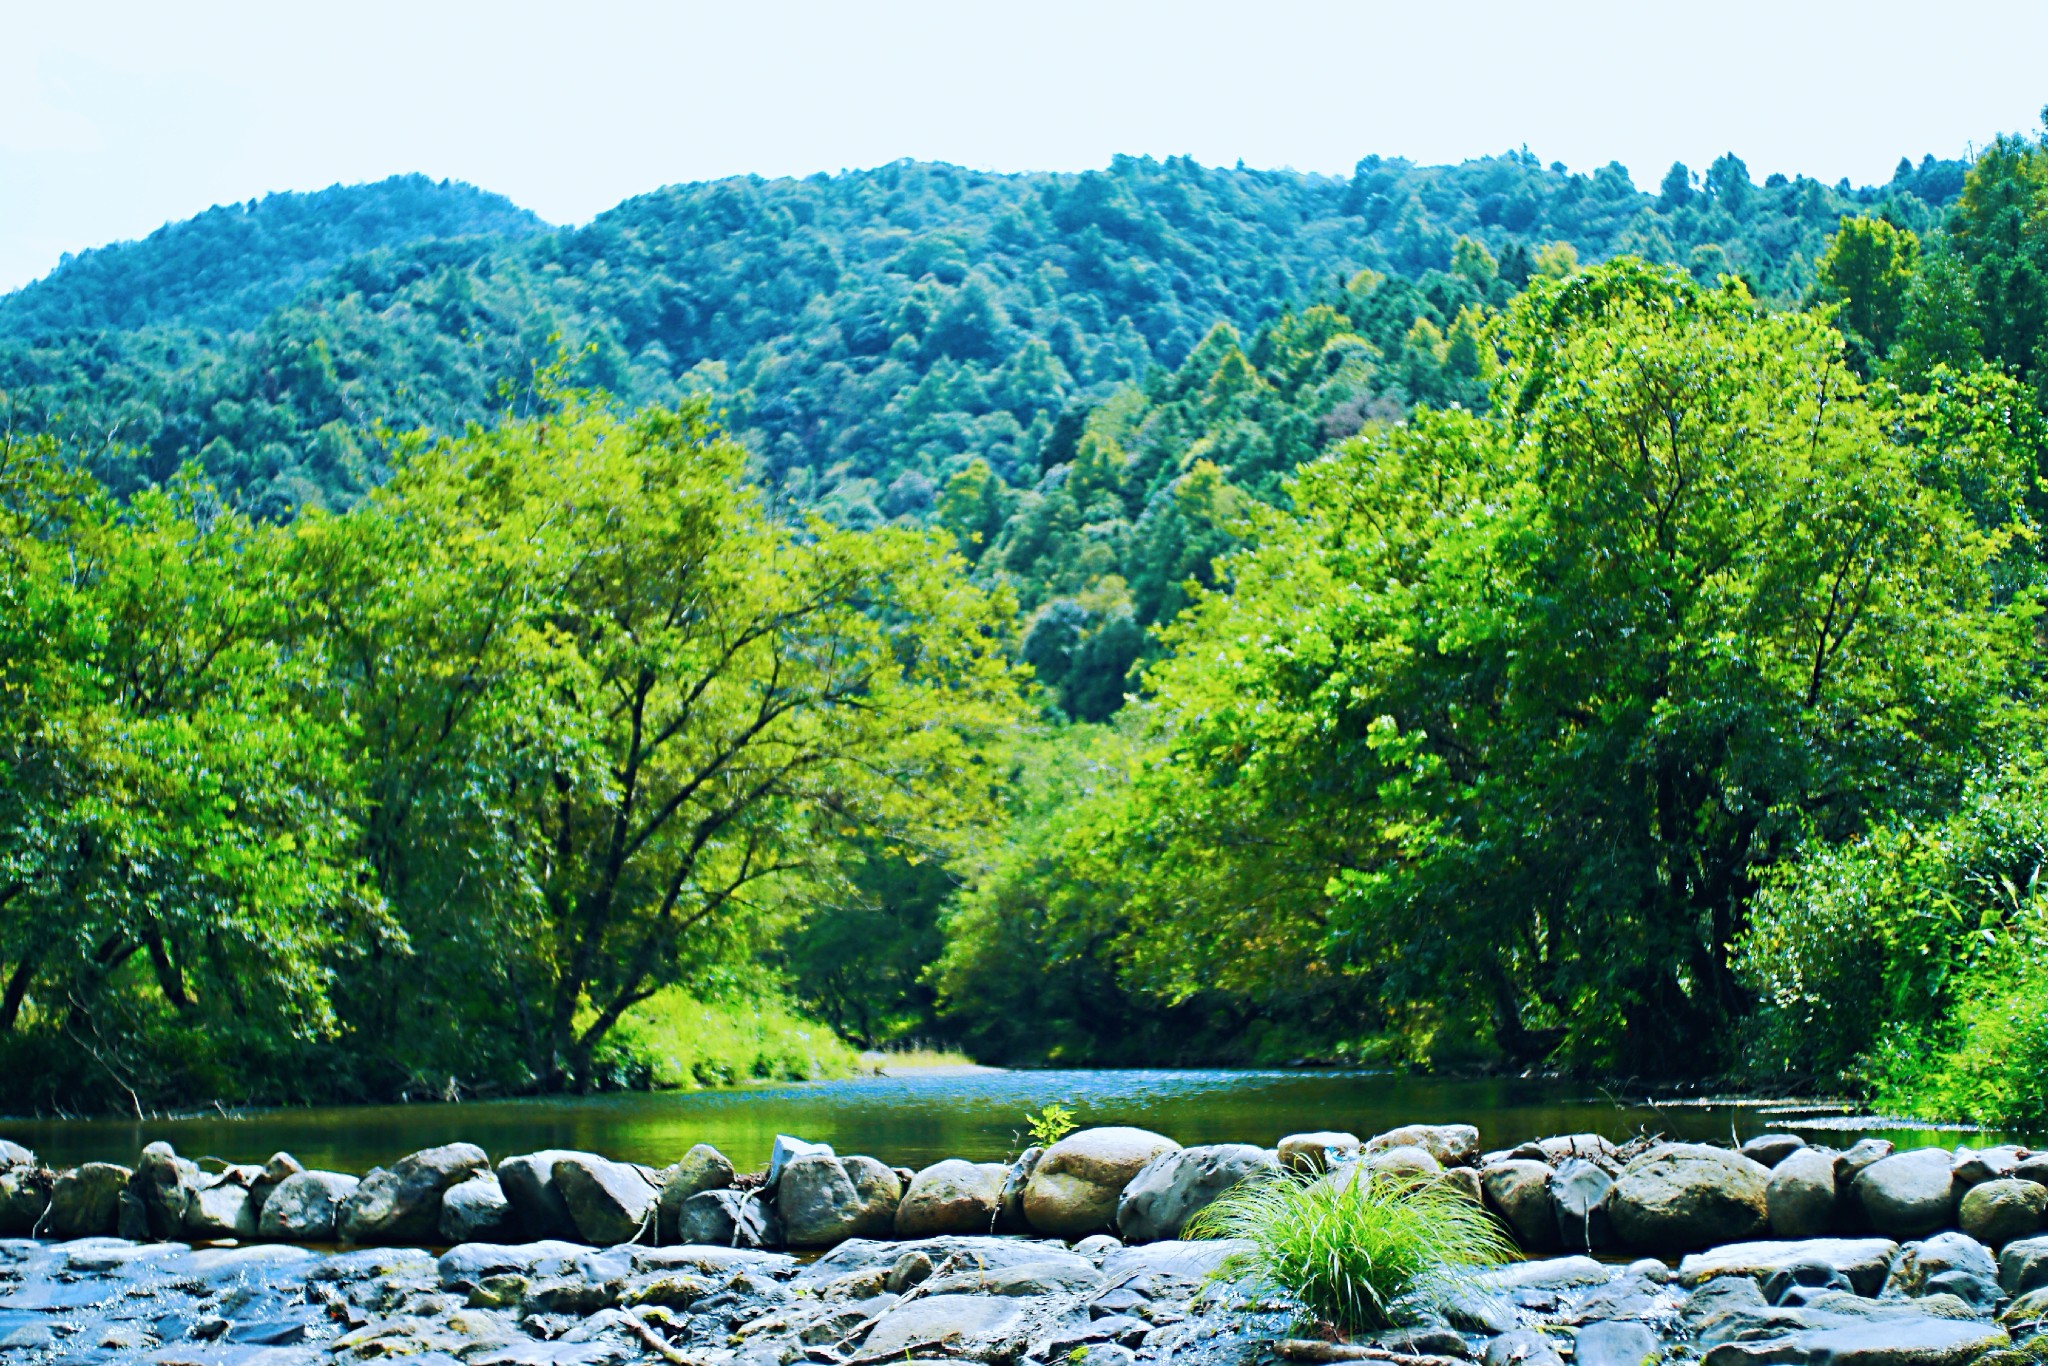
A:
x: 1869, y: 270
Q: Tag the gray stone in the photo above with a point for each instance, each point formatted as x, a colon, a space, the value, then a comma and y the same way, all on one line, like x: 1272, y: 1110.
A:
x: 912, y: 1268
x: 220, y: 1207
x: 1947, y: 1264
x: 1679, y: 1197
x: 703, y: 1168
x: 85, y: 1202
x: 728, y: 1218
x: 940, y: 1321
x: 820, y: 1204
x: 2023, y: 1265
x: 953, y: 1196
x: 1802, y: 1199
x: 879, y: 1187
x: 1053, y: 1275
x: 1174, y: 1186
x: 1407, y: 1163
x: 528, y: 1181
x: 1893, y: 1342
x: 1909, y: 1194
x: 1316, y: 1152
x: 24, y: 1199
x: 12, y: 1154
x: 1591, y: 1147
x: 1853, y: 1162
x: 1614, y: 1344
x: 1518, y: 1190
x: 1075, y: 1188
x: 1792, y: 1283
x: 1452, y: 1145
x: 1771, y: 1149
x: 403, y: 1204
x: 476, y: 1211
x: 2002, y: 1209
x: 609, y: 1202
x: 1547, y: 1273
x: 163, y: 1183
x: 1521, y: 1347
x: 2033, y: 1167
x: 1010, y: 1218
x: 1865, y: 1261
x: 1579, y: 1191
x: 785, y: 1149
x: 303, y: 1208
x: 1973, y: 1166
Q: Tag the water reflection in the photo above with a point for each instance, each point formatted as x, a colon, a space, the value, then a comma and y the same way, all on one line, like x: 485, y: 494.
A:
x: 915, y: 1120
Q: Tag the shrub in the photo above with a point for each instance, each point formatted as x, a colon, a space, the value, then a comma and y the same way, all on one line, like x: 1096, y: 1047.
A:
x: 1363, y: 1254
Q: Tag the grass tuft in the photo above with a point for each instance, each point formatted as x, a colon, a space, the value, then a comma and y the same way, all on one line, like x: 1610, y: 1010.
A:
x: 1362, y: 1254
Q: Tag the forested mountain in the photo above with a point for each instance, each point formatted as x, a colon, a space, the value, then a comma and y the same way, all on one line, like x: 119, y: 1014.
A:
x: 1292, y: 645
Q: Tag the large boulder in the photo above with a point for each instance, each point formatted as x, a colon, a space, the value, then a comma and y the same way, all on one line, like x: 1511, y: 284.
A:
x: 1452, y: 1145
x: 221, y: 1206
x: 610, y: 1202
x: 953, y: 1196
x: 1949, y: 1263
x: 948, y: 1323
x: 2002, y: 1209
x: 1318, y: 1152
x: 1852, y: 1163
x: 303, y: 1208
x: 2023, y: 1265
x: 476, y: 1211
x: 1801, y: 1198
x: 1680, y: 1197
x: 1974, y: 1166
x: 728, y: 1218
x: 1172, y: 1187
x: 1077, y: 1184
x: 86, y: 1201
x: 823, y: 1200
x: 528, y: 1180
x: 1579, y: 1192
x: 1909, y: 1194
x: 703, y: 1168
x: 1862, y: 1262
x: 403, y: 1204
x: 1518, y: 1190
x: 163, y: 1182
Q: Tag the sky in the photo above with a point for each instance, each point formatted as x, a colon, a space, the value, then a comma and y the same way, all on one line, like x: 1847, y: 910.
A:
x: 118, y: 117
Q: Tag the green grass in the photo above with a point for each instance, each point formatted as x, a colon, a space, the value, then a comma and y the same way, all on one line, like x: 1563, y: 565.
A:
x: 1360, y: 1255
x: 896, y: 1059
x: 689, y: 1043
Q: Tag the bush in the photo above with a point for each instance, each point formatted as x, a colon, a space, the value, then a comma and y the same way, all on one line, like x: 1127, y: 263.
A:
x: 1363, y: 1254
x: 672, y: 1040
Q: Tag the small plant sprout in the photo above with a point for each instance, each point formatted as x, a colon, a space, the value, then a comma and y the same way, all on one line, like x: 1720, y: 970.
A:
x: 1050, y: 1125
x: 1359, y: 1251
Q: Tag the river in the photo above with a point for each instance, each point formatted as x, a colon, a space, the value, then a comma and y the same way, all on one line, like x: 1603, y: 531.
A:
x: 917, y: 1119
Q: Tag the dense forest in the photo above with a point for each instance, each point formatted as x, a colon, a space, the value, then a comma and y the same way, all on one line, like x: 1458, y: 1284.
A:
x: 1484, y: 615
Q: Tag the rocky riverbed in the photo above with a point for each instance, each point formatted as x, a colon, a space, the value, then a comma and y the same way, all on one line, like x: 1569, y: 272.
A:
x: 1775, y: 1253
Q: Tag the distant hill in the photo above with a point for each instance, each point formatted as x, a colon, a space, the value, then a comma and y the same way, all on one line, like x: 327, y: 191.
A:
x: 229, y: 267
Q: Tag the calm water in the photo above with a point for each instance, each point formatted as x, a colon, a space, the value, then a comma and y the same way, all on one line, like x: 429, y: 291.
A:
x: 916, y: 1120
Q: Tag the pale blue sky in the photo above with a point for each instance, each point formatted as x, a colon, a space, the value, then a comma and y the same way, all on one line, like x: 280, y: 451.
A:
x: 115, y: 117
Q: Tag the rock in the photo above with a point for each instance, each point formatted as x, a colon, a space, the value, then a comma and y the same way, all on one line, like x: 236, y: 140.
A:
x: 912, y: 1268
x: 703, y: 1168
x: 1317, y: 1152
x: 1947, y: 1264
x: 1075, y: 1188
x: 1866, y: 1153
x: 1592, y: 1147
x: 728, y: 1218
x: 609, y: 1202
x: 1579, y: 1191
x: 2023, y: 1265
x: 1907, y: 1195
x: 163, y: 1182
x: 1975, y: 1166
x: 953, y: 1196
x: 24, y: 1199
x: 12, y: 1154
x: 787, y: 1149
x: 403, y: 1204
x: 1614, y: 1344
x: 1055, y: 1273
x: 1911, y: 1341
x: 1548, y: 1273
x: 1171, y: 1188
x: 940, y: 1320
x: 1683, y: 1196
x: 1521, y: 1347
x: 2030, y: 1308
x: 879, y: 1187
x: 820, y: 1204
x: 1452, y: 1145
x: 1465, y: 1180
x: 1407, y: 1163
x: 220, y: 1207
x: 2033, y: 1167
x: 86, y: 1201
x: 1098, y: 1246
x: 1771, y: 1149
x: 1185, y: 1259
x: 528, y: 1181
x: 1518, y: 1190
x: 476, y: 1211
x: 1010, y: 1218
x: 303, y: 1208
x: 2002, y: 1209
x: 1802, y: 1198
x: 1791, y: 1283
x: 1865, y: 1261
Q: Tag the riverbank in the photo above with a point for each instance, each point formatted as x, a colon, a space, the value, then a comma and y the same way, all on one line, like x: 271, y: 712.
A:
x: 1778, y: 1251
